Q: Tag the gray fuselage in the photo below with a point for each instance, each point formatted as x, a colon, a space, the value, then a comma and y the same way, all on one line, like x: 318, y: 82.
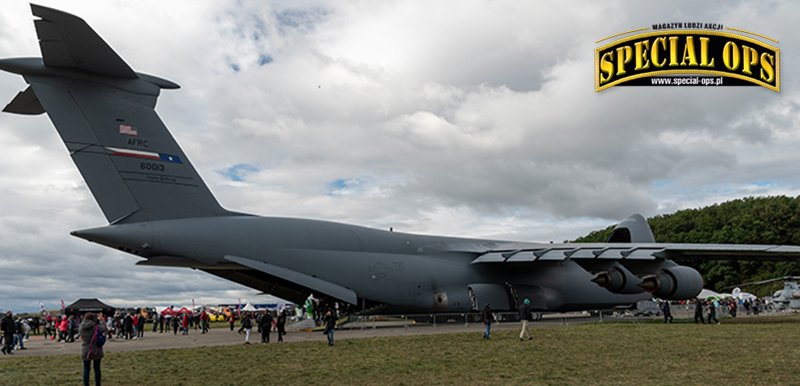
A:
x: 406, y: 271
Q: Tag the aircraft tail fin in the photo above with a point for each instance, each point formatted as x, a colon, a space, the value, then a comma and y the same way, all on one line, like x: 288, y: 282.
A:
x: 105, y: 114
x: 633, y: 229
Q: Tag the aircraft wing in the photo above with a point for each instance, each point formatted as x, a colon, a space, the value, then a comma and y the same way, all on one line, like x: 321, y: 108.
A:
x: 311, y: 282
x: 648, y: 251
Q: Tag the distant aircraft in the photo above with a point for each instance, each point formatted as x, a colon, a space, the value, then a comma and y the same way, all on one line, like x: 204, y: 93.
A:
x: 789, y: 297
x: 786, y: 299
x: 159, y: 208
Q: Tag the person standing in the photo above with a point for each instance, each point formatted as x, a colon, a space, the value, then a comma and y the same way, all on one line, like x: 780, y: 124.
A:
x: 330, y: 325
x: 281, y: 325
x: 175, y: 323
x: 698, y: 312
x: 109, y: 321
x: 22, y: 329
x: 34, y: 326
x: 667, y: 311
x: 142, y: 321
x: 231, y: 319
x: 524, y: 316
x: 9, y: 328
x: 487, y: 317
x: 203, y: 315
x: 247, y: 326
x: 63, y: 326
x: 185, y: 324
x: 135, y: 332
x: 72, y: 328
x: 46, y: 330
x: 127, y: 324
x: 265, y: 324
x: 712, y: 313
x: 91, y: 352
x: 309, y: 306
x: 161, y: 320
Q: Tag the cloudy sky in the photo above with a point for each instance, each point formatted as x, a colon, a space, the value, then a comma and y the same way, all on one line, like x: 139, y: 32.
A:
x: 468, y: 118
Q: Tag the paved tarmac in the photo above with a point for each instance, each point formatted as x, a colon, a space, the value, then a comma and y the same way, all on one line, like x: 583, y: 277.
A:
x: 38, y: 346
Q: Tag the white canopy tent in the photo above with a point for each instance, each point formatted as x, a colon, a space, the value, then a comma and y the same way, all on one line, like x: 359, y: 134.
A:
x: 707, y: 293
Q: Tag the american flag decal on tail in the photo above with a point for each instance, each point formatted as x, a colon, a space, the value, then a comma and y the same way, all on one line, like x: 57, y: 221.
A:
x: 128, y: 130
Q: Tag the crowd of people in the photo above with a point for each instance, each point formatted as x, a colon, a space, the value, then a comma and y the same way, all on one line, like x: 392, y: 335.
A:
x: 323, y: 314
x: 707, y: 310
x: 131, y: 325
x: 265, y: 323
x: 123, y: 325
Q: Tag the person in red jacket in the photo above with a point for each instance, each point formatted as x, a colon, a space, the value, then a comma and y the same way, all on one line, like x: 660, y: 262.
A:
x: 135, y: 333
x: 63, y: 329
x: 185, y: 323
x: 204, y: 320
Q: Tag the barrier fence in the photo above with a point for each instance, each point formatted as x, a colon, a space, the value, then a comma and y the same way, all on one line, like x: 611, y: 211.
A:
x: 466, y: 319
x: 678, y: 311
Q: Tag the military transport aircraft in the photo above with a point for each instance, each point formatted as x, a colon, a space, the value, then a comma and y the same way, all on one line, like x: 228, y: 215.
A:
x: 159, y: 208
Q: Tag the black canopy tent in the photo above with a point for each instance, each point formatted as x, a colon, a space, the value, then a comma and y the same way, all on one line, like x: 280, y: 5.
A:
x: 82, y: 306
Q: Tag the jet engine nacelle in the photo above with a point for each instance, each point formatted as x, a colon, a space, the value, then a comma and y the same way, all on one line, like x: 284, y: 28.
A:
x: 618, y: 280
x: 673, y: 283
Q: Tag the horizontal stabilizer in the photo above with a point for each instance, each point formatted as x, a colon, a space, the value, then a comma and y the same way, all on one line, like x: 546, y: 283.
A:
x: 68, y: 42
x: 316, y: 284
x: 25, y: 103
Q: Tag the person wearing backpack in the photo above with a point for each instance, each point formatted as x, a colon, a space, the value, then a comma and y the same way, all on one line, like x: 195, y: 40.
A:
x: 92, y: 331
x: 247, y: 326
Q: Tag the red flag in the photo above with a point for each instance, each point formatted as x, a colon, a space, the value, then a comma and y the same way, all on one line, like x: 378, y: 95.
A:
x: 62, y: 306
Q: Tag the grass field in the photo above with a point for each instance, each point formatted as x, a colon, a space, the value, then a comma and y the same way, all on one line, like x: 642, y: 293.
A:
x: 744, y: 352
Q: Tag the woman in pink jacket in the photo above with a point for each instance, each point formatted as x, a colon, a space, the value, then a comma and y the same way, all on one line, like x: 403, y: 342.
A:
x: 63, y: 328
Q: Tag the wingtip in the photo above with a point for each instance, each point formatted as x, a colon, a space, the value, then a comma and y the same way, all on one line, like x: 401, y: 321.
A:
x: 160, y: 82
x: 45, y: 12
